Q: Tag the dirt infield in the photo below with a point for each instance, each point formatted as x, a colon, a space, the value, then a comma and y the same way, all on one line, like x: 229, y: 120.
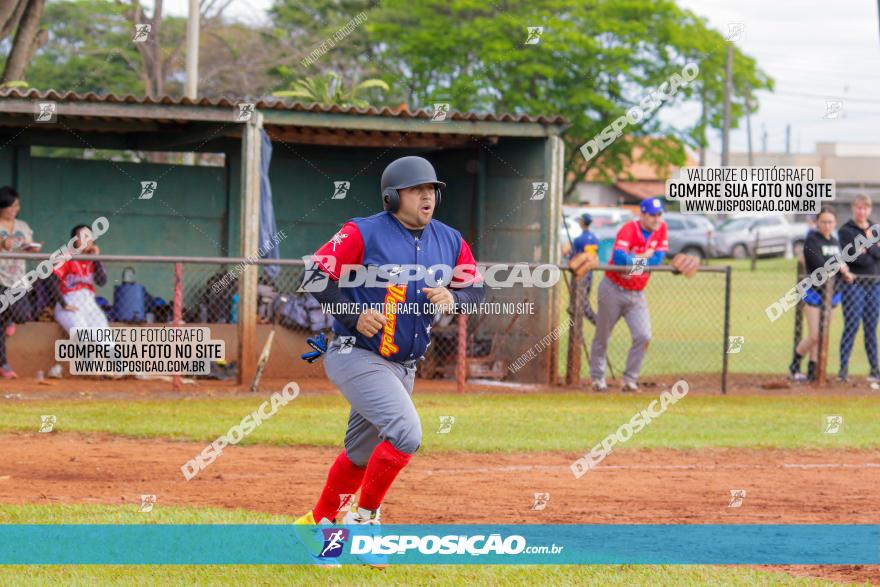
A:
x: 645, y: 486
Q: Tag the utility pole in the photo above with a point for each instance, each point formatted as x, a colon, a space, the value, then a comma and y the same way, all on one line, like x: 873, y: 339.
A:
x: 703, y: 125
x: 192, y: 51
x: 728, y: 88
x: 788, y: 139
x: 749, y: 123
x: 191, y: 86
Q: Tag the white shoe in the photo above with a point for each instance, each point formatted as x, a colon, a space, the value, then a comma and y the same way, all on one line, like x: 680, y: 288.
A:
x: 600, y: 385
x: 630, y: 386
x: 357, y: 516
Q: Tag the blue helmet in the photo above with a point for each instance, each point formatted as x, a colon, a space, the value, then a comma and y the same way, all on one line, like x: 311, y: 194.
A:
x: 407, y: 172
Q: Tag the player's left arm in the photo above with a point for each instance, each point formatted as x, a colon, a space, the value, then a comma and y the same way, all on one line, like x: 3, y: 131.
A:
x: 683, y: 264
x: 466, y: 286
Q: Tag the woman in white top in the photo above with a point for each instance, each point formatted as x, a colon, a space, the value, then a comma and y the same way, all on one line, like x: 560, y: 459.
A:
x: 15, y: 236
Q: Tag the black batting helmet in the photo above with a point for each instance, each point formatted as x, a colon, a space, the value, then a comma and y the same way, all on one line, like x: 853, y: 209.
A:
x: 407, y: 172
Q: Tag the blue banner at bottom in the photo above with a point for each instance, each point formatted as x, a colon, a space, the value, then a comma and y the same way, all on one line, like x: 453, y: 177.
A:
x: 168, y: 544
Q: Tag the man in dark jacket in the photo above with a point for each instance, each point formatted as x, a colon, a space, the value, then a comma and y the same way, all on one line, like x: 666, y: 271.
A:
x: 861, y: 299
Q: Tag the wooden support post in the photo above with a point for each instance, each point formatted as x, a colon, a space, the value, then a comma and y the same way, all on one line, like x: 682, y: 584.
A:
x: 576, y: 332
x: 824, y: 331
x: 554, y: 175
x: 799, y: 308
x: 461, y: 353
x: 178, y: 313
x: 250, y: 237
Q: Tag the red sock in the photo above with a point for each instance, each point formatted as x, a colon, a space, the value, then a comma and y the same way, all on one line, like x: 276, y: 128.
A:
x: 344, y: 477
x: 385, y: 463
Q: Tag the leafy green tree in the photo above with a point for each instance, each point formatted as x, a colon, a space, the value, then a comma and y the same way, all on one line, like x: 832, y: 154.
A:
x: 302, y: 27
x: 329, y: 89
x: 593, y: 61
x: 90, y: 49
x: 23, y: 18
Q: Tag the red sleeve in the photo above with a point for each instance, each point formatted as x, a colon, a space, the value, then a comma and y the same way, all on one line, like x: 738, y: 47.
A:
x: 624, y: 240
x: 659, y: 241
x: 345, y: 248
x: 62, y: 271
x: 465, y: 273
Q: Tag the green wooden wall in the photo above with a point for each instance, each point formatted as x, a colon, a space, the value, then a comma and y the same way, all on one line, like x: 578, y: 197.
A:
x: 187, y: 215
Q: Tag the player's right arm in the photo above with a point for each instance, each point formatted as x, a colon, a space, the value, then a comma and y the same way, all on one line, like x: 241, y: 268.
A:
x: 346, y: 248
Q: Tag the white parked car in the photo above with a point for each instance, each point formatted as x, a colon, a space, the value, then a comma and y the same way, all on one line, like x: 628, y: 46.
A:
x: 737, y: 237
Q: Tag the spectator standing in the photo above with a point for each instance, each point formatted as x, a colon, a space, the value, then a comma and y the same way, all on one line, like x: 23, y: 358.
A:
x: 15, y: 236
x: 819, y: 246
x: 861, y: 299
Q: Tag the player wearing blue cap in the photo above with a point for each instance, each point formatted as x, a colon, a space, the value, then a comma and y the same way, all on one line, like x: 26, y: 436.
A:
x: 586, y: 242
x: 639, y: 243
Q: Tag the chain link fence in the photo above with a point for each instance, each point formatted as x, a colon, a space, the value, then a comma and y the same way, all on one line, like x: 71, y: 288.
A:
x: 687, y: 324
x: 764, y: 335
x: 155, y: 291
x: 712, y: 329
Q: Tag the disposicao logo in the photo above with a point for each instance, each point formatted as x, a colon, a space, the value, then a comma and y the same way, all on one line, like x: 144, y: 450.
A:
x: 334, y: 540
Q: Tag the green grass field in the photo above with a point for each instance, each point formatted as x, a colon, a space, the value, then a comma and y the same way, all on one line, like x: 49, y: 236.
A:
x: 484, y: 423
x: 687, y: 323
x: 272, y: 575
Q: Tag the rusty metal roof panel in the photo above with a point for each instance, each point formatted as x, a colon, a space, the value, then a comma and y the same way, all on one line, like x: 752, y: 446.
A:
x: 269, y: 104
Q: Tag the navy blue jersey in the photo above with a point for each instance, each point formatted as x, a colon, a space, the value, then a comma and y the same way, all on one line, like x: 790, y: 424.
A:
x: 379, y: 240
x: 581, y: 242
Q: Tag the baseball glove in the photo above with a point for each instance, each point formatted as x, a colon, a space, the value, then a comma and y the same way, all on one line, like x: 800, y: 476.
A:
x: 583, y: 262
x: 687, y: 265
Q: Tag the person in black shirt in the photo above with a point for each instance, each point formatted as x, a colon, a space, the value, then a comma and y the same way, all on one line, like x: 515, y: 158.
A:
x: 819, y: 246
x: 861, y: 299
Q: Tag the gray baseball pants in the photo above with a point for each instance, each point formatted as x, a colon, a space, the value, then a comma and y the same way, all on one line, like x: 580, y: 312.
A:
x: 379, y: 392
x: 616, y: 303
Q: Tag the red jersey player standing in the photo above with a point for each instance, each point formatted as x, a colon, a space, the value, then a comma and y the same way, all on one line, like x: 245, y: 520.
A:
x: 639, y: 243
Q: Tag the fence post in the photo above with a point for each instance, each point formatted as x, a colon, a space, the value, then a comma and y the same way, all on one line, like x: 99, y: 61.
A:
x: 824, y: 313
x: 250, y: 236
x: 799, y: 308
x: 576, y: 332
x: 725, y: 357
x: 461, y: 353
x: 178, y: 312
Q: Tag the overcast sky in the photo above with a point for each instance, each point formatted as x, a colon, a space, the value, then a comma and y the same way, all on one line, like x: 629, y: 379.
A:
x: 815, y: 50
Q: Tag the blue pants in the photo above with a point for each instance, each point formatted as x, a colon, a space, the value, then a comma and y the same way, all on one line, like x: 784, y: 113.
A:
x: 861, y: 303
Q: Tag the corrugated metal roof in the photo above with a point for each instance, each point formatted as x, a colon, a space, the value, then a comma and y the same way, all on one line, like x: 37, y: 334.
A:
x: 269, y: 104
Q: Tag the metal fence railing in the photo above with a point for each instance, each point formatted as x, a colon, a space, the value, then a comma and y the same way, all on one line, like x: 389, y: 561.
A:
x: 142, y: 290
x: 688, y: 321
x: 711, y: 329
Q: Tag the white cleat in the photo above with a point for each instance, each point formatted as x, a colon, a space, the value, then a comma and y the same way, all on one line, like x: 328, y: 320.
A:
x: 357, y: 516
x: 630, y: 387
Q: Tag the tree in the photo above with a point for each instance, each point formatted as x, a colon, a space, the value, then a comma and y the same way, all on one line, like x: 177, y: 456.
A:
x: 593, y: 61
x: 23, y: 17
x: 160, y: 51
x: 302, y: 27
x: 329, y: 90
x: 90, y: 50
